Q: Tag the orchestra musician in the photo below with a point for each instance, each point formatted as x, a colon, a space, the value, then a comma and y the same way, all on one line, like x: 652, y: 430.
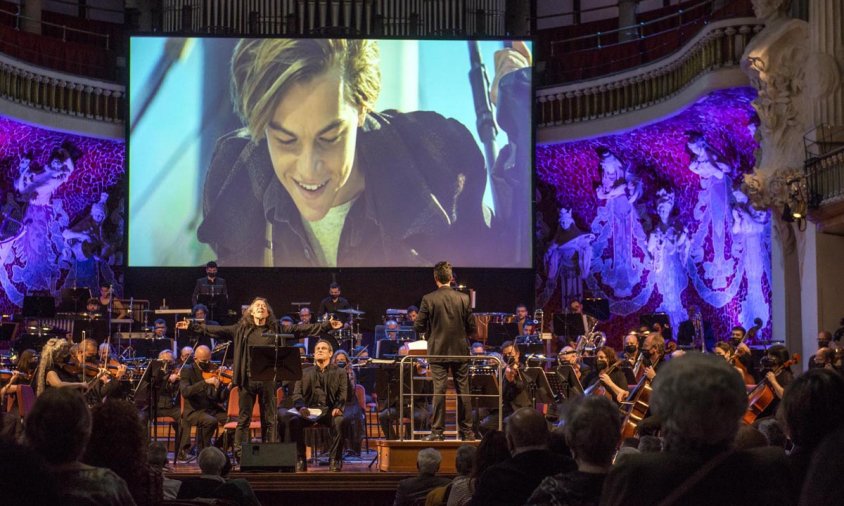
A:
x: 589, y: 322
x: 258, y: 326
x: 204, y: 398
x: 333, y: 302
x: 51, y: 373
x: 422, y: 388
x: 653, y: 354
x: 167, y: 403
x: 185, y: 355
x: 570, y: 371
x: 514, y: 393
x: 446, y: 318
x: 412, y: 313
x: 775, y: 358
x: 521, y: 318
x: 23, y: 374
x: 608, y: 372
x: 106, y: 299
x: 319, y: 399
x: 211, y: 286
x: 305, y: 315
x: 353, y: 421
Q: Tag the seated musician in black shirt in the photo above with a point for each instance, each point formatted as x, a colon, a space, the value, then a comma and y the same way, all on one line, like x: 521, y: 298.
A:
x: 515, y: 393
x: 318, y: 399
x: 608, y: 372
x: 108, y: 382
x: 203, y: 401
x: 421, y: 404
x: 167, y: 385
x: 333, y: 302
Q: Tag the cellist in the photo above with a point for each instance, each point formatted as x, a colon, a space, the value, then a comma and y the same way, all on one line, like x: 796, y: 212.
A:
x: 653, y: 351
x: 725, y: 351
x: 774, y: 358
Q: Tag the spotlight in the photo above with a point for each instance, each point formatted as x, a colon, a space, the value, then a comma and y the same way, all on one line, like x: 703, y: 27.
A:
x: 787, y: 216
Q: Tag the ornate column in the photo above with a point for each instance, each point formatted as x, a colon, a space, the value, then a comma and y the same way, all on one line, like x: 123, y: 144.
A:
x: 826, y: 26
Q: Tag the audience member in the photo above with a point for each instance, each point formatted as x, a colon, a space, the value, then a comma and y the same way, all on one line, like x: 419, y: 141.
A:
x: 58, y: 428
x: 650, y: 444
x: 121, y: 444
x: 492, y: 450
x: 749, y: 437
x: 513, y: 481
x: 823, y: 479
x: 700, y: 400
x: 412, y: 490
x: 812, y: 407
x: 25, y: 479
x: 592, y: 432
x: 771, y: 428
x: 212, y: 482
x: 456, y: 493
x: 158, y: 460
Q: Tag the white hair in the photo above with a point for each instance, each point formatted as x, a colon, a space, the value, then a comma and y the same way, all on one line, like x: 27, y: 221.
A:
x: 428, y: 461
x: 211, y: 461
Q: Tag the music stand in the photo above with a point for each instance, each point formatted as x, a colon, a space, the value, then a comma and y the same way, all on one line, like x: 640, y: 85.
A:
x: 569, y: 325
x: 497, y: 333
x: 597, y: 308
x: 39, y: 306
x: 386, y: 347
x: 147, y: 387
x: 483, y: 385
x: 539, y: 387
x: 75, y: 300
x: 275, y: 363
x: 213, y: 300
x: 661, y: 318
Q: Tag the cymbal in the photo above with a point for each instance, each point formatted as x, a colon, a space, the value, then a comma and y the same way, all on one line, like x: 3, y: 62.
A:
x: 351, y: 311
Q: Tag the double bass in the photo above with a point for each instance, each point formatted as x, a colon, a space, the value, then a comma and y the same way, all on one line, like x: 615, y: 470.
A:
x: 763, y: 395
x: 639, y: 402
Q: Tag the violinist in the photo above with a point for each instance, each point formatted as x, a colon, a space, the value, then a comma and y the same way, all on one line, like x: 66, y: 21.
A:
x: 203, y: 401
x: 608, y: 373
x: 101, y: 370
x: 515, y: 393
x: 185, y: 355
x: 167, y: 403
x: 353, y: 421
x: 53, y: 370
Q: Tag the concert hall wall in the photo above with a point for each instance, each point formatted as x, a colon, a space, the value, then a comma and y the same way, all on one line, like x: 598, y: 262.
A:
x: 62, y: 217
x: 653, y: 220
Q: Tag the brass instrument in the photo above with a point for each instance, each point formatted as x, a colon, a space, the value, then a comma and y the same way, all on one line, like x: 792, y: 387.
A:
x: 591, y: 341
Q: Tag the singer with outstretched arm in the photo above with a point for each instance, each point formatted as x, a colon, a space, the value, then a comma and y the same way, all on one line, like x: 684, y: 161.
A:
x: 257, y: 327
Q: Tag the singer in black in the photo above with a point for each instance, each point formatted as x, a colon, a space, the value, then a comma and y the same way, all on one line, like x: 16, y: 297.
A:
x: 257, y: 327
x: 445, y: 316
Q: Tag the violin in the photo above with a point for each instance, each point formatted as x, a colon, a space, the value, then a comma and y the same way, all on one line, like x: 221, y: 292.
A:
x: 73, y: 367
x: 221, y: 372
x: 763, y: 395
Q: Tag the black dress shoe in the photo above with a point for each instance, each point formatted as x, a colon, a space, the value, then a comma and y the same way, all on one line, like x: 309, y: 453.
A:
x: 335, y: 465
x: 433, y: 437
x: 469, y: 436
x: 301, y: 466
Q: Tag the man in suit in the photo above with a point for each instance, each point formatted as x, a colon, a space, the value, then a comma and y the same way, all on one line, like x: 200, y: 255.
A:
x: 318, y: 399
x: 445, y: 316
x: 513, y: 481
x: 203, y: 401
x: 412, y: 491
x: 213, y: 289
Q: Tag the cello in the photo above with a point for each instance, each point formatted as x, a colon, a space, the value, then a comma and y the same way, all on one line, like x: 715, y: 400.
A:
x: 763, y: 395
x: 639, y: 402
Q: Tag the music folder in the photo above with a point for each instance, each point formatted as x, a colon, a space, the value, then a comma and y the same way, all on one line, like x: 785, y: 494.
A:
x: 275, y: 363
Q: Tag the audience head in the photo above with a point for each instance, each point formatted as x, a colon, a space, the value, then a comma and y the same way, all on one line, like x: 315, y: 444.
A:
x: 812, y: 407
x: 700, y: 400
x: 771, y: 428
x: 25, y: 478
x: 157, y: 455
x: 749, y: 437
x: 211, y: 461
x: 650, y: 444
x: 593, y: 430
x: 119, y: 433
x: 465, y: 459
x: 557, y: 442
x: 526, y: 428
x: 59, y: 425
x: 491, y: 450
x: 428, y: 461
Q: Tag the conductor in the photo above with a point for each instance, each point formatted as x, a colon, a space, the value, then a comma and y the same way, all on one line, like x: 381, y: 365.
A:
x: 445, y: 316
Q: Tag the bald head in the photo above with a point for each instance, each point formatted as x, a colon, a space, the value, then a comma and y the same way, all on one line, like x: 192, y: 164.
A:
x: 202, y: 353
x: 527, y: 428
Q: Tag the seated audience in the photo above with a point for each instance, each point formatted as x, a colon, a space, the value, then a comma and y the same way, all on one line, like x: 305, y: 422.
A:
x: 749, y: 437
x: 212, y: 482
x: 812, y: 407
x: 492, y: 450
x: 457, y: 492
x: 515, y: 479
x: 771, y: 428
x: 592, y: 432
x: 121, y: 444
x: 25, y: 477
x: 158, y: 460
x: 412, y: 490
x: 58, y: 429
x: 823, y: 479
x: 700, y: 400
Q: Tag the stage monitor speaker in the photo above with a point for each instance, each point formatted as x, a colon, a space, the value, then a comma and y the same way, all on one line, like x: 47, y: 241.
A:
x: 279, y: 457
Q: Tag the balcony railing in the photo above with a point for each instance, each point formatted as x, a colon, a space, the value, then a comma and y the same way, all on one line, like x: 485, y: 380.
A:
x: 60, y: 93
x: 825, y: 177
x: 719, y: 45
